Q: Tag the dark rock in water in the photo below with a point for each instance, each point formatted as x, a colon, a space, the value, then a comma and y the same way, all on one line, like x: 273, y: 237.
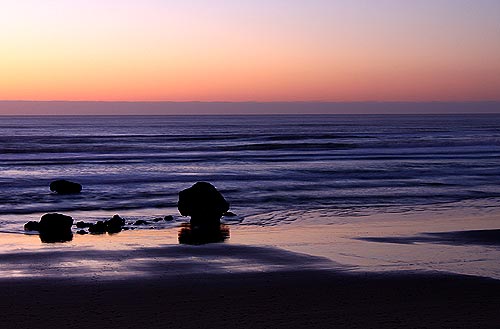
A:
x: 55, y: 228
x: 229, y: 214
x: 31, y: 226
x: 203, y: 203
x: 82, y: 232
x: 116, y: 220
x: 113, y: 229
x: 65, y: 187
x: 82, y: 224
x: 158, y: 219
x: 168, y: 218
x: 98, y: 228
x: 197, y: 235
x: 55, y: 223
x: 115, y: 224
x: 140, y: 222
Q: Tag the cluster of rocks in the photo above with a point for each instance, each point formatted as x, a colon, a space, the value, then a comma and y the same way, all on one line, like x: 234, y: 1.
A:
x: 58, y: 225
x: 202, y: 202
x: 111, y: 226
x: 115, y: 225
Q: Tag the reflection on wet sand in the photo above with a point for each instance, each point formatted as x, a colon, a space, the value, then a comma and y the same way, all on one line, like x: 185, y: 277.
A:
x: 55, y: 238
x: 458, y: 238
x: 196, y: 235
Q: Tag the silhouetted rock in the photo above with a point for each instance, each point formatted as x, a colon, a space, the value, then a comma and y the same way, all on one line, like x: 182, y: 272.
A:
x: 55, y: 228
x: 168, y: 218
x: 82, y: 232
x: 196, y: 235
x: 140, y: 222
x: 65, y: 187
x: 158, y: 219
x: 31, y: 226
x: 55, y: 222
x: 203, y: 203
x: 82, y: 224
x: 116, y: 220
x: 229, y: 214
x: 98, y: 228
x: 115, y: 224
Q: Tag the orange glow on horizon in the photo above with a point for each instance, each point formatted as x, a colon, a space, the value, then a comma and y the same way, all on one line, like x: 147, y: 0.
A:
x: 247, y: 52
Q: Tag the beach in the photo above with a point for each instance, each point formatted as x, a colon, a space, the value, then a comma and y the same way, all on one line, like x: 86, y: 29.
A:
x: 301, y: 275
x: 188, y: 295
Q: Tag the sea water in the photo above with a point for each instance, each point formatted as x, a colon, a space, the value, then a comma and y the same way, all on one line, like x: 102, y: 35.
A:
x: 342, y: 164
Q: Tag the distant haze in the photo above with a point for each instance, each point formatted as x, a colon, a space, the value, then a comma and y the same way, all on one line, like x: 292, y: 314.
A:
x: 228, y: 108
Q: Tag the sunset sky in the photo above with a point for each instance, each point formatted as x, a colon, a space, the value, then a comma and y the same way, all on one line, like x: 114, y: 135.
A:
x: 250, y: 50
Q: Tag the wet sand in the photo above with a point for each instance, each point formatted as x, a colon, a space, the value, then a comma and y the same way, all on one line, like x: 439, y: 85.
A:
x: 281, y: 299
x: 231, y: 286
x: 388, y: 272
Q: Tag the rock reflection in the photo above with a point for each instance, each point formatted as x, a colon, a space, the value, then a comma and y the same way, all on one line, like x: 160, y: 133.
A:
x: 196, y: 235
x: 56, y: 237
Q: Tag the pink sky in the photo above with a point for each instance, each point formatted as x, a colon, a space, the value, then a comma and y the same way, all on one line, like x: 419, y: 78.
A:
x: 250, y: 50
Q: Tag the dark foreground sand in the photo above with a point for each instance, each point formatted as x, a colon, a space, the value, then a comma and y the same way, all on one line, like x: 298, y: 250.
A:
x: 288, y: 299
x: 225, y: 286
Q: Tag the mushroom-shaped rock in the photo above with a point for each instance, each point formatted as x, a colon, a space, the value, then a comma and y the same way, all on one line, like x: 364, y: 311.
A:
x: 203, y: 203
x: 55, y: 228
x: 62, y: 186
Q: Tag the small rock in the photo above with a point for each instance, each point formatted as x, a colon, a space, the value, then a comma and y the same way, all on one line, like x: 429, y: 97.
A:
x: 229, y: 214
x: 98, y: 228
x: 31, y: 226
x: 62, y: 186
x: 114, y: 225
x: 140, y: 222
x: 168, y: 218
x: 158, y: 219
x: 116, y: 219
x: 82, y: 232
x: 82, y: 224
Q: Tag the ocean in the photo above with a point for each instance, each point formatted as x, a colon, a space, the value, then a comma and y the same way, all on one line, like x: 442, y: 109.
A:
x: 263, y: 165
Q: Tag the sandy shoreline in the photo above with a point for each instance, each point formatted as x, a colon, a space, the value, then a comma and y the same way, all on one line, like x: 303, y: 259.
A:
x: 232, y: 286
x: 391, y: 271
x: 280, y: 299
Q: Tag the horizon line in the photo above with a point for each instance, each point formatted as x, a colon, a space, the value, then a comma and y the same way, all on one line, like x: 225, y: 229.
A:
x: 248, y: 101
x: 33, y: 107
